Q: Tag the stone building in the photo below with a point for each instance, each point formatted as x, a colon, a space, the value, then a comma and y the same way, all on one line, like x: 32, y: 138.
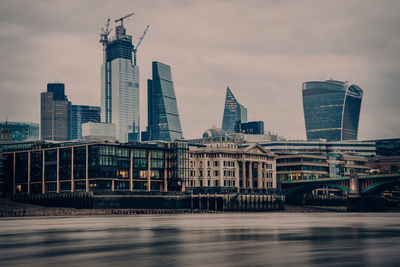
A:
x: 224, y: 164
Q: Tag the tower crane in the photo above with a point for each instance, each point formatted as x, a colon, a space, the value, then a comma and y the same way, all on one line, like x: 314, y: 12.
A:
x: 124, y: 17
x: 104, y: 37
x: 138, y: 44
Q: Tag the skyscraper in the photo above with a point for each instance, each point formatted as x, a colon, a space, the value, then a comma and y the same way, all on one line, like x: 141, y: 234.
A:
x: 120, y: 86
x: 331, y: 110
x: 55, y: 113
x: 82, y: 114
x: 163, y: 117
x: 234, y: 114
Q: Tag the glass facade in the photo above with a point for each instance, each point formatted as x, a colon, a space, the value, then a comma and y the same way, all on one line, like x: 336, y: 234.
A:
x: 22, y: 131
x: 83, y: 114
x: 55, y: 114
x: 252, y: 127
x: 163, y: 117
x: 120, y: 89
x: 234, y: 114
x: 66, y: 167
x: 331, y: 110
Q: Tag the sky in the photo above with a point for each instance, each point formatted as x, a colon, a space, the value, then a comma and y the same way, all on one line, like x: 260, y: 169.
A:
x: 263, y: 50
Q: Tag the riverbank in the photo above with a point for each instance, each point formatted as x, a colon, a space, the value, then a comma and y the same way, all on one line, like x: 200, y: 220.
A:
x: 10, y: 208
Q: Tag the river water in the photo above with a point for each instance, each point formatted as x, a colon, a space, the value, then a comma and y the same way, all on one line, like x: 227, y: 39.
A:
x: 225, y: 239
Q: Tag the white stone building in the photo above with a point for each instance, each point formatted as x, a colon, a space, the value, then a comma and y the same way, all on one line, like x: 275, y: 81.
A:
x: 225, y: 164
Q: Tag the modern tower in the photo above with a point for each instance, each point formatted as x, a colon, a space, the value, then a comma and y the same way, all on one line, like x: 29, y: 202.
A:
x: 55, y: 113
x: 331, y: 110
x: 82, y: 114
x: 234, y: 113
x: 120, y: 85
x: 163, y: 117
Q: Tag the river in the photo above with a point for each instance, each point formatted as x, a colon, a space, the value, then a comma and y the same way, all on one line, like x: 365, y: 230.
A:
x: 224, y: 239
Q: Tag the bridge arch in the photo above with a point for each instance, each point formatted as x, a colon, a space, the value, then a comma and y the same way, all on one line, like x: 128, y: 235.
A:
x: 381, y: 185
x: 310, y: 187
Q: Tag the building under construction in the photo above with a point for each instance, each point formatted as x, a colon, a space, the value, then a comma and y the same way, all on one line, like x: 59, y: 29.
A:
x: 120, y: 82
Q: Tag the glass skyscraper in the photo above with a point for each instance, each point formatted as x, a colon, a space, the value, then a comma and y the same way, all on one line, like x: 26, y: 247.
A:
x: 55, y: 113
x: 234, y: 113
x: 331, y: 110
x: 82, y: 114
x: 120, y: 87
x: 163, y: 117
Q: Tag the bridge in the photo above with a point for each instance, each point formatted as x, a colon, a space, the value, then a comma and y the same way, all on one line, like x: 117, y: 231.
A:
x: 356, y: 185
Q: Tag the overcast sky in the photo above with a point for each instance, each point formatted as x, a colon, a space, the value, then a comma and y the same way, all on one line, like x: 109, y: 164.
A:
x: 263, y: 50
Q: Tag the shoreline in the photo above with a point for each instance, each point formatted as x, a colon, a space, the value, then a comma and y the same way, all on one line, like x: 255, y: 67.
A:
x: 10, y: 208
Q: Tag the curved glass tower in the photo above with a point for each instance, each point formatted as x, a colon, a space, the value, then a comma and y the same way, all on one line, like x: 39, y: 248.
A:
x: 234, y: 113
x: 331, y: 110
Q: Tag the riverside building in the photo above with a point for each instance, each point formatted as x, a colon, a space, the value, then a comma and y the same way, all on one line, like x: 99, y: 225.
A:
x: 331, y: 110
x: 224, y: 164
x: 42, y: 167
x: 21, y: 131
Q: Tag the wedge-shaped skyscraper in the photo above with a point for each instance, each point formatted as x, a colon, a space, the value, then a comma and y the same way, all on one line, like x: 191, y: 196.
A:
x: 234, y: 114
x: 331, y: 110
x: 163, y: 117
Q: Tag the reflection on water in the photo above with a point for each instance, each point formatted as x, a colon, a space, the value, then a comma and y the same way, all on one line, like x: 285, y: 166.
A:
x: 229, y: 239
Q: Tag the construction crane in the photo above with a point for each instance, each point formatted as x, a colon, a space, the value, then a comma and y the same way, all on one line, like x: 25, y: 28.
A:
x: 124, y: 17
x: 104, y: 37
x: 138, y: 44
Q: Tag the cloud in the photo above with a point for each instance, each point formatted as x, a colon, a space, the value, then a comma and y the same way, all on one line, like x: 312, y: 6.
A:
x: 263, y: 50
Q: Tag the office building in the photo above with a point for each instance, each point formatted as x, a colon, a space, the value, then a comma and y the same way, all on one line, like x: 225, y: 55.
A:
x: 355, y: 148
x: 120, y: 86
x: 44, y: 167
x: 55, y: 113
x: 20, y: 131
x: 82, y: 114
x: 234, y: 113
x: 331, y: 110
x: 163, y: 117
x: 225, y: 164
x: 252, y: 127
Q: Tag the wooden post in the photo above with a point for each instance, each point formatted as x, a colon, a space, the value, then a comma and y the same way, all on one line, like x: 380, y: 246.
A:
x: 131, y: 171
x: 148, y: 171
x: 29, y: 172
x: 87, y: 168
x: 165, y: 172
x: 43, y: 184
x: 58, y: 170
x: 14, y: 184
x: 72, y: 170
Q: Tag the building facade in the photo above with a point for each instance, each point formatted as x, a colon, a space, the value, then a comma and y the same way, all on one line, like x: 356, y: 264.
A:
x: 120, y: 87
x: 55, y: 114
x: 234, y: 113
x: 224, y: 164
x: 82, y: 114
x: 331, y: 110
x: 41, y: 167
x: 355, y: 148
x: 163, y: 117
x: 294, y: 167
